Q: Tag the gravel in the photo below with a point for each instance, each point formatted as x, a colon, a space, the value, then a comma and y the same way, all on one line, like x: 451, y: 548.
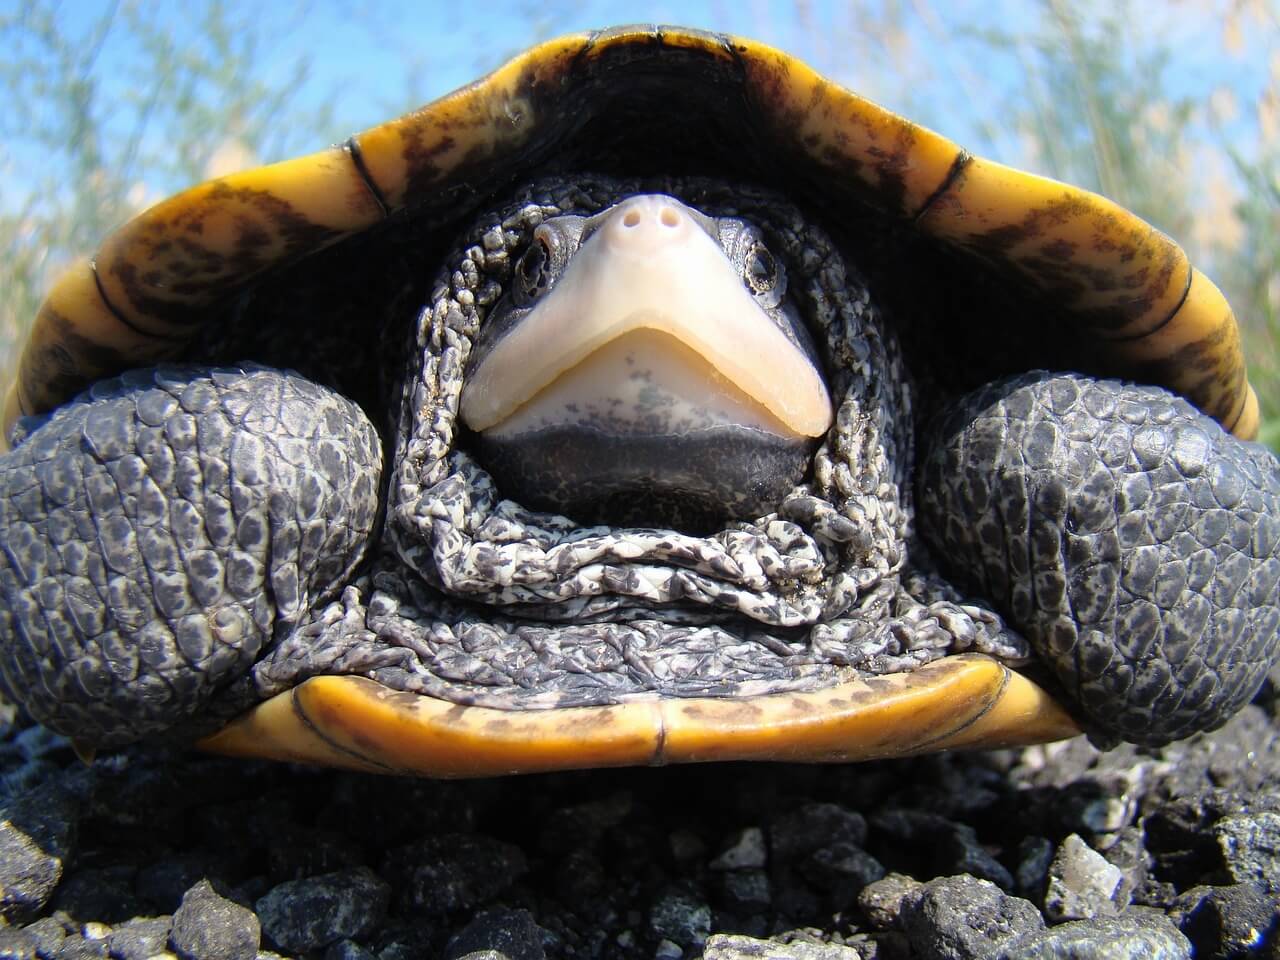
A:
x: 1056, y: 851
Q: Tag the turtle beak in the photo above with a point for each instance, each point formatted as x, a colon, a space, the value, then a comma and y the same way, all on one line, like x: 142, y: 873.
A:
x: 650, y: 270
x: 648, y: 384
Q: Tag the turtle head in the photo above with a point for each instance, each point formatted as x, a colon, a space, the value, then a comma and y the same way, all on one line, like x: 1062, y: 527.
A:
x: 647, y: 365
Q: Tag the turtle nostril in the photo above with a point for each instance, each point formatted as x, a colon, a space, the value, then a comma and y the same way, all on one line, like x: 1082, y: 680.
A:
x: 669, y: 217
x: 631, y: 218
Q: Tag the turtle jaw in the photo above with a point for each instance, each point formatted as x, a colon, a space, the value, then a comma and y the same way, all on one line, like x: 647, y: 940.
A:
x: 636, y: 376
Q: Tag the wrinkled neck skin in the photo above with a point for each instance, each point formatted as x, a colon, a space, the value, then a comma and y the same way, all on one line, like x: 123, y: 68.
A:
x: 474, y: 598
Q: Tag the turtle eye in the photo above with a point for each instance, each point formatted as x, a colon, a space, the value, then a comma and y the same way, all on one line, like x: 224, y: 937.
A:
x: 760, y: 270
x: 533, y: 273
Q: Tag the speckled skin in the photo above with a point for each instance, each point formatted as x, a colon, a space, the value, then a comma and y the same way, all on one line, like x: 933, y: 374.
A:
x: 471, y: 597
x: 159, y: 533
x: 1135, y: 544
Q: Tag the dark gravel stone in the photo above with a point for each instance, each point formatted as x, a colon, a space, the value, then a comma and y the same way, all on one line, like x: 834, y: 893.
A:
x: 733, y: 947
x: 881, y: 901
x: 163, y: 883
x: 303, y: 915
x: 452, y: 872
x: 744, y: 891
x: 1082, y: 883
x: 745, y: 851
x: 348, y: 950
x: 957, y: 918
x: 209, y: 927
x: 299, y: 852
x: 583, y: 824
x: 1223, y: 923
x: 936, y: 846
x: 800, y: 833
x: 841, y: 871
x: 37, y: 837
x: 1128, y: 937
x: 1034, y: 856
x: 1250, y: 845
x: 49, y: 932
x: 77, y: 947
x: 17, y: 944
x: 510, y: 934
x: 680, y: 918
x: 141, y: 938
x: 104, y: 894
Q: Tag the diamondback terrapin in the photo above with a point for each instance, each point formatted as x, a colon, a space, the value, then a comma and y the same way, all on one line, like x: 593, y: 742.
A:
x: 651, y: 399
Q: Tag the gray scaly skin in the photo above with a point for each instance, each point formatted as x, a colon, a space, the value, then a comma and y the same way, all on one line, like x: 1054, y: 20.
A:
x: 471, y: 597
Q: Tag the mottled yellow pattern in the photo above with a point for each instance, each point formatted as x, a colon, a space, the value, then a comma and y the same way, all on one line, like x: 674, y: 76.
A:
x: 353, y: 722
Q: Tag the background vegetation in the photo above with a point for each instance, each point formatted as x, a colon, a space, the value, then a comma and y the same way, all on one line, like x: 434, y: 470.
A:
x: 1172, y: 111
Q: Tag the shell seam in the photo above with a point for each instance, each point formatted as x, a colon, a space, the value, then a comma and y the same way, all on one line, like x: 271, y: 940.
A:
x: 962, y: 160
x: 119, y: 315
x: 1186, y: 292
x: 307, y: 722
x: 352, y: 147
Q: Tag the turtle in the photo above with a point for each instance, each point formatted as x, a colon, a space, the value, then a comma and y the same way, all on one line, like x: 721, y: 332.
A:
x: 650, y: 399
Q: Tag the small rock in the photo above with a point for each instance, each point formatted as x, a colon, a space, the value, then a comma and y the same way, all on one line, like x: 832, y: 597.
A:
x: 583, y: 824
x: 580, y: 876
x: 948, y: 847
x: 686, y: 845
x: 681, y: 918
x: 1129, y: 855
x: 746, y: 852
x: 103, y: 894
x: 745, y: 891
x: 668, y: 950
x: 1250, y: 845
x: 348, y: 950
x: 1035, y: 854
x: 510, y: 934
x: 798, y: 834
x: 303, y: 915
x: 1082, y: 883
x: 1146, y: 936
x: 77, y: 947
x: 881, y: 901
x: 37, y: 836
x: 1223, y: 922
x: 140, y: 939
x: 452, y: 871
x: 17, y: 944
x: 49, y: 932
x: 955, y: 918
x: 209, y: 927
x: 841, y: 871
x: 733, y: 947
x: 297, y: 852
x: 164, y: 882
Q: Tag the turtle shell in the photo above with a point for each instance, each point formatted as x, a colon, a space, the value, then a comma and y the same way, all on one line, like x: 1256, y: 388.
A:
x: 1122, y: 297
x: 1127, y: 291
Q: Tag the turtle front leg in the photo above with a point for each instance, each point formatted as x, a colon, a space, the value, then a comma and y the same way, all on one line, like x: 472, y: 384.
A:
x: 157, y: 533
x: 1133, y: 541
